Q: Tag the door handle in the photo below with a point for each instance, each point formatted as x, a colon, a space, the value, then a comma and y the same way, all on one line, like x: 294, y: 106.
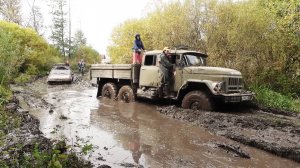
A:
x: 143, y: 69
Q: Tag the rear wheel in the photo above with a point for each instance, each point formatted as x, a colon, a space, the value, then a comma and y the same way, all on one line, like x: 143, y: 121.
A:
x: 109, y: 90
x: 126, y: 94
x: 197, y: 100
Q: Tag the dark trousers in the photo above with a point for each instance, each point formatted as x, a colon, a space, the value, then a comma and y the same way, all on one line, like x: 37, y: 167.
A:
x: 166, y: 81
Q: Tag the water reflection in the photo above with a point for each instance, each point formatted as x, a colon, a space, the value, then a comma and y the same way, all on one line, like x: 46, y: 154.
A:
x: 164, y: 142
x: 136, y: 134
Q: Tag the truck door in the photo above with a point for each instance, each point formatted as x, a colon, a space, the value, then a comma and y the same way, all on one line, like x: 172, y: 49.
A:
x: 178, y: 72
x: 150, y: 74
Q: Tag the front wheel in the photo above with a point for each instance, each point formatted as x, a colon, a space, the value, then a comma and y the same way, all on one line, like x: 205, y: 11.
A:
x: 109, y: 90
x: 197, y: 100
x: 126, y: 94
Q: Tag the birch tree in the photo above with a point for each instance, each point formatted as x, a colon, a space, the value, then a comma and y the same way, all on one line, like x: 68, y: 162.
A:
x: 10, y: 10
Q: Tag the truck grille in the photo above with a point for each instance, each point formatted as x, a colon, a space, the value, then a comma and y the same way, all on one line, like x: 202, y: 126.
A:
x: 234, y: 81
x: 234, y: 85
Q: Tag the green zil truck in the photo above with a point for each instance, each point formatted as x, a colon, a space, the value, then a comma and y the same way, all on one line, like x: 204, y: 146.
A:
x: 194, y: 85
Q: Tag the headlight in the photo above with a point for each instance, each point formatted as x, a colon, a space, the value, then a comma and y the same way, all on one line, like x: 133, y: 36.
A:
x: 219, y: 86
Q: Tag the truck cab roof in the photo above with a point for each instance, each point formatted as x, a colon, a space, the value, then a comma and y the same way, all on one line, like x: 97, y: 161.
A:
x: 155, y: 52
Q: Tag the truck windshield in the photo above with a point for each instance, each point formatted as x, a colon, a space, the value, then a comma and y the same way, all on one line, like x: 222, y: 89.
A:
x: 194, y: 60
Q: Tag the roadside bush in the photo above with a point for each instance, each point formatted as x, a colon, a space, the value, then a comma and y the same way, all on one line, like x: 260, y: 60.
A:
x: 46, y: 155
x: 88, y: 54
x: 8, y: 122
x: 280, y: 82
x: 32, y: 70
x: 5, y: 95
x: 22, y: 50
x: 270, y: 98
x: 23, y: 78
x: 10, y: 57
x: 296, y: 105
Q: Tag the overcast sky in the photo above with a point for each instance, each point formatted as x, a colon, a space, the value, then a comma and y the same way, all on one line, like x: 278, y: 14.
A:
x: 97, y: 18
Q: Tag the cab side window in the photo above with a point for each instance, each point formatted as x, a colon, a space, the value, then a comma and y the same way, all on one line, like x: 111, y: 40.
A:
x: 173, y: 59
x: 150, y: 60
x: 178, y: 60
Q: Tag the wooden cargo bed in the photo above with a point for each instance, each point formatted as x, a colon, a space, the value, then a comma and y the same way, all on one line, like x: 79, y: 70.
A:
x: 115, y: 71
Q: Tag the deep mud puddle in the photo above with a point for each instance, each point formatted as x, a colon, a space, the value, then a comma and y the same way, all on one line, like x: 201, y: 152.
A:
x: 130, y: 135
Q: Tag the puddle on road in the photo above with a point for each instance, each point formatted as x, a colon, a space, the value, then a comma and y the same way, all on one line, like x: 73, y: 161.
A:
x: 134, y: 133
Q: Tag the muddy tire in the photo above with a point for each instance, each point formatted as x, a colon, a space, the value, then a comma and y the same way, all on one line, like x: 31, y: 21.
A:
x: 126, y: 94
x: 109, y: 90
x: 197, y: 100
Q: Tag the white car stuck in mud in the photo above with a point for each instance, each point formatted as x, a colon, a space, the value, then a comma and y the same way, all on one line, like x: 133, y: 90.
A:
x: 60, y: 73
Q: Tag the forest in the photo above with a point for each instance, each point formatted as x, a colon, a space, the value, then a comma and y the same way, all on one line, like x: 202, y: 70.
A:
x: 257, y: 37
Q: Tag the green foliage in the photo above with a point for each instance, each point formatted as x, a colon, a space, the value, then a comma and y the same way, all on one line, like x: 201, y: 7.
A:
x: 42, y: 157
x: 23, y: 51
x: 86, y: 148
x: 54, y: 163
x: 87, y: 53
x: 32, y: 70
x: 5, y: 95
x: 23, y: 78
x: 10, y: 56
x: 8, y: 122
x: 270, y: 98
x: 3, y: 164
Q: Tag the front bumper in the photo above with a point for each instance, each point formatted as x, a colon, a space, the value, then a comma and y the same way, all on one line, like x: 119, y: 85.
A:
x: 237, y: 97
x: 54, y: 80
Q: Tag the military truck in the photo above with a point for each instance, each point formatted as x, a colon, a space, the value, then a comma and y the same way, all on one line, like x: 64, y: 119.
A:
x: 194, y: 84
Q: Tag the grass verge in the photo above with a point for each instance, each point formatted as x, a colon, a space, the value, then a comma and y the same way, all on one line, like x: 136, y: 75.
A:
x: 269, y: 98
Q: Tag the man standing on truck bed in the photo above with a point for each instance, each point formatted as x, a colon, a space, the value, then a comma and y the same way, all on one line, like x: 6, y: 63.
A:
x: 166, y: 68
x: 138, y: 47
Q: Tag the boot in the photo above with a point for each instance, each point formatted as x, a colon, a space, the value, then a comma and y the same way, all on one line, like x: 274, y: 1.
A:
x: 167, y: 90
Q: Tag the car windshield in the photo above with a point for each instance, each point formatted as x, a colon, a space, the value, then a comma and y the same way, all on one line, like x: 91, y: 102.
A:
x: 194, y: 60
x: 61, y: 68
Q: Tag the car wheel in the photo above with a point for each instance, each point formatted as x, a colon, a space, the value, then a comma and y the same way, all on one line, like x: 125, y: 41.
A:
x: 126, y: 94
x: 109, y: 90
x: 197, y: 100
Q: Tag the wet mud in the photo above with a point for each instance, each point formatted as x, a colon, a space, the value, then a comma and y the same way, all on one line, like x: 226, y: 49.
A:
x: 29, y: 128
x: 109, y: 133
x: 276, y: 132
x: 22, y: 146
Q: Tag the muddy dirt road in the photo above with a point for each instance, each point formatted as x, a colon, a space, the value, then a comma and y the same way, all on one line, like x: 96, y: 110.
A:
x: 132, y: 135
